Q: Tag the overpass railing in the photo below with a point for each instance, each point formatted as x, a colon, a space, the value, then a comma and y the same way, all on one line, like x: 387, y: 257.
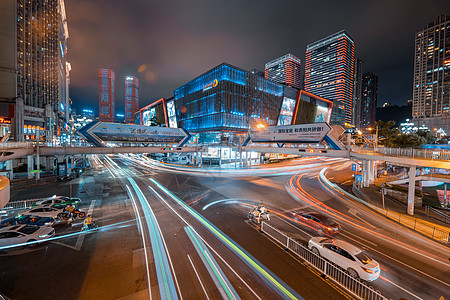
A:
x: 14, y: 145
x: 406, y: 152
x: 354, y: 286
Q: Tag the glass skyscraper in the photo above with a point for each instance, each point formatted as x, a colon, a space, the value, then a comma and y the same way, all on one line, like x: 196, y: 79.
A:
x: 431, y: 92
x: 227, y: 98
x: 329, y: 73
x: 106, y: 94
x: 131, y: 98
x: 369, y: 100
x: 285, y: 70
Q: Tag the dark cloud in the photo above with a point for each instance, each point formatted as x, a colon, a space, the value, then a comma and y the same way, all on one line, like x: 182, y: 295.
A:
x: 167, y: 43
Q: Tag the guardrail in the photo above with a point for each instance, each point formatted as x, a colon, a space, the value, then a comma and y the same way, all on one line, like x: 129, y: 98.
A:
x: 21, y: 204
x: 418, y: 225
x: 356, y: 287
x: 408, y: 152
x: 14, y: 145
x: 439, y: 213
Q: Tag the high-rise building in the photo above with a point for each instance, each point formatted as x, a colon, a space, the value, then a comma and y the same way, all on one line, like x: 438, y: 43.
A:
x: 369, y: 100
x: 107, y: 97
x: 329, y: 71
x: 131, y: 98
x: 285, y: 70
x: 357, y: 93
x: 431, y: 91
x: 34, y: 73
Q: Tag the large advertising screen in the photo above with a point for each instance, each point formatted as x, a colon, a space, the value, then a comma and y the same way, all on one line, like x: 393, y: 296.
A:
x: 287, y: 111
x: 322, y: 114
x: 148, y: 117
x: 171, y: 114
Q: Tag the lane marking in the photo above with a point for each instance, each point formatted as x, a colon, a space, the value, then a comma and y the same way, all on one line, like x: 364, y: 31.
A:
x: 210, y: 247
x: 357, y: 236
x: 220, y: 280
x: 403, y: 289
x: 310, y: 235
x: 279, y: 286
x: 198, y: 277
x: 80, y: 239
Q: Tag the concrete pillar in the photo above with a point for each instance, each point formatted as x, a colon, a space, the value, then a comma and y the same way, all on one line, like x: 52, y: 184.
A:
x: 371, y: 173
x: 30, y: 164
x: 411, y: 189
x: 10, y: 168
x: 365, y: 173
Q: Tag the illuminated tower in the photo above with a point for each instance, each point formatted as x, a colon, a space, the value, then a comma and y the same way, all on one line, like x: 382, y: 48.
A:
x: 285, y: 70
x: 431, y: 91
x: 368, y: 100
x: 106, y: 107
x: 131, y: 98
x: 329, y: 68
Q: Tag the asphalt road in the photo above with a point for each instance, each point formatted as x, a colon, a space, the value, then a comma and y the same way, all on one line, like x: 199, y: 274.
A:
x: 182, y: 232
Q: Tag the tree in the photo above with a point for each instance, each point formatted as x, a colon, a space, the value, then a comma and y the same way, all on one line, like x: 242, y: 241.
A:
x: 407, y: 140
x: 429, y: 137
x: 386, y: 132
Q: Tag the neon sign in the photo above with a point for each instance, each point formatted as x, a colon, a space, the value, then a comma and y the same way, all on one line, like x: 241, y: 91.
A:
x: 211, y: 85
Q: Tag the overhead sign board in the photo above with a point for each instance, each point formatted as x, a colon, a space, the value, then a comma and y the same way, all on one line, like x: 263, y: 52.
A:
x: 100, y: 132
x: 303, y: 133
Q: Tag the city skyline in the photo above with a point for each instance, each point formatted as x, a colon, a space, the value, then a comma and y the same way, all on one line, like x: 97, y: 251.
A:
x: 163, y: 52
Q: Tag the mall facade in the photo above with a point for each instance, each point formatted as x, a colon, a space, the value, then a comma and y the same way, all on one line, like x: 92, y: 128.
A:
x: 221, y: 105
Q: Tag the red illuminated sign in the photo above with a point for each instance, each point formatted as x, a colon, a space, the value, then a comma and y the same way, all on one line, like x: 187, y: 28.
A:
x: 4, y: 120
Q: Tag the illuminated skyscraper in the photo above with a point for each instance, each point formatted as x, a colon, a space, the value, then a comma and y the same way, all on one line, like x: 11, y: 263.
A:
x: 368, y: 100
x: 431, y: 91
x: 131, y: 98
x: 329, y: 68
x: 106, y: 107
x: 285, y: 70
x: 34, y: 72
x: 357, y: 93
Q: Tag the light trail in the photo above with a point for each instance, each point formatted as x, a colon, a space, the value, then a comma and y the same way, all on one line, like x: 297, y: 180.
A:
x: 210, y: 247
x: 163, y: 271
x: 221, y: 281
x: 277, y: 285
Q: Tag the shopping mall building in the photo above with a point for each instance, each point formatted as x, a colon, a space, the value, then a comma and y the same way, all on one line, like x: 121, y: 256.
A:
x: 219, y: 106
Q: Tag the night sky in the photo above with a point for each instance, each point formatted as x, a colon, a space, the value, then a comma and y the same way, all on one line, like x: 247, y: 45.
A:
x: 168, y: 43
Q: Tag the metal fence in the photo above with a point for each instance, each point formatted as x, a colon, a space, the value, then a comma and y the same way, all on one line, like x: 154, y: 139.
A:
x: 409, y: 152
x: 21, y: 204
x: 437, y: 233
x: 438, y: 214
x: 356, y: 287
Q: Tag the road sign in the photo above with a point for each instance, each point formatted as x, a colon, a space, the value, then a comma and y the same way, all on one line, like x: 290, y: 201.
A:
x: 303, y: 133
x: 358, y: 177
x: 35, y: 171
x: 100, y: 132
x: 354, y: 167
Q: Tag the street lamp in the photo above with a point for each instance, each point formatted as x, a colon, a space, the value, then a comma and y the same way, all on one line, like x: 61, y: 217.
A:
x: 260, y: 126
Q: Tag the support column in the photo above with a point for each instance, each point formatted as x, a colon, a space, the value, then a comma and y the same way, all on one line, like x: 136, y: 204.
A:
x: 365, y: 173
x: 371, y: 174
x: 411, y: 189
x: 30, y: 164
x: 10, y: 167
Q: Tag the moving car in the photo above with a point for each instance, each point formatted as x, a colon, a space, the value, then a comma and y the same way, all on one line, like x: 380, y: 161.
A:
x: 317, y: 221
x: 352, y: 259
x: 61, y: 200
x: 19, y: 234
x: 29, y: 220
x: 54, y: 211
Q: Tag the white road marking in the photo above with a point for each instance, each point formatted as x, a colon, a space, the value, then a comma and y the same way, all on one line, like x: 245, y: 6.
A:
x: 403, y: 289
x: 367, y: 241
x: 294, y: 226
x: 80, y: 239
x: 198, y: 277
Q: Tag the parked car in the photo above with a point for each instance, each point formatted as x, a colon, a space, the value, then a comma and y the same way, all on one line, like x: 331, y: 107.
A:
x: 54, y: 211
x: 355, y: 261
x: 19, y: 234
x: 61, y: 200
x: 29, y: 220
x: 323, y: 224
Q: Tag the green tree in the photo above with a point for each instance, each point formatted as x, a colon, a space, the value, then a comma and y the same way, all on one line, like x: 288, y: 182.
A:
x: 387, y: 132
x: 407, y: 140
x: 429, y: 137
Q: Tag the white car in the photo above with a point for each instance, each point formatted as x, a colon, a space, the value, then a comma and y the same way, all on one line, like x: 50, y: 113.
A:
x: 352, y: 259
x: 45, y: 211
x: 60, y: 200
x: 19, y: 234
